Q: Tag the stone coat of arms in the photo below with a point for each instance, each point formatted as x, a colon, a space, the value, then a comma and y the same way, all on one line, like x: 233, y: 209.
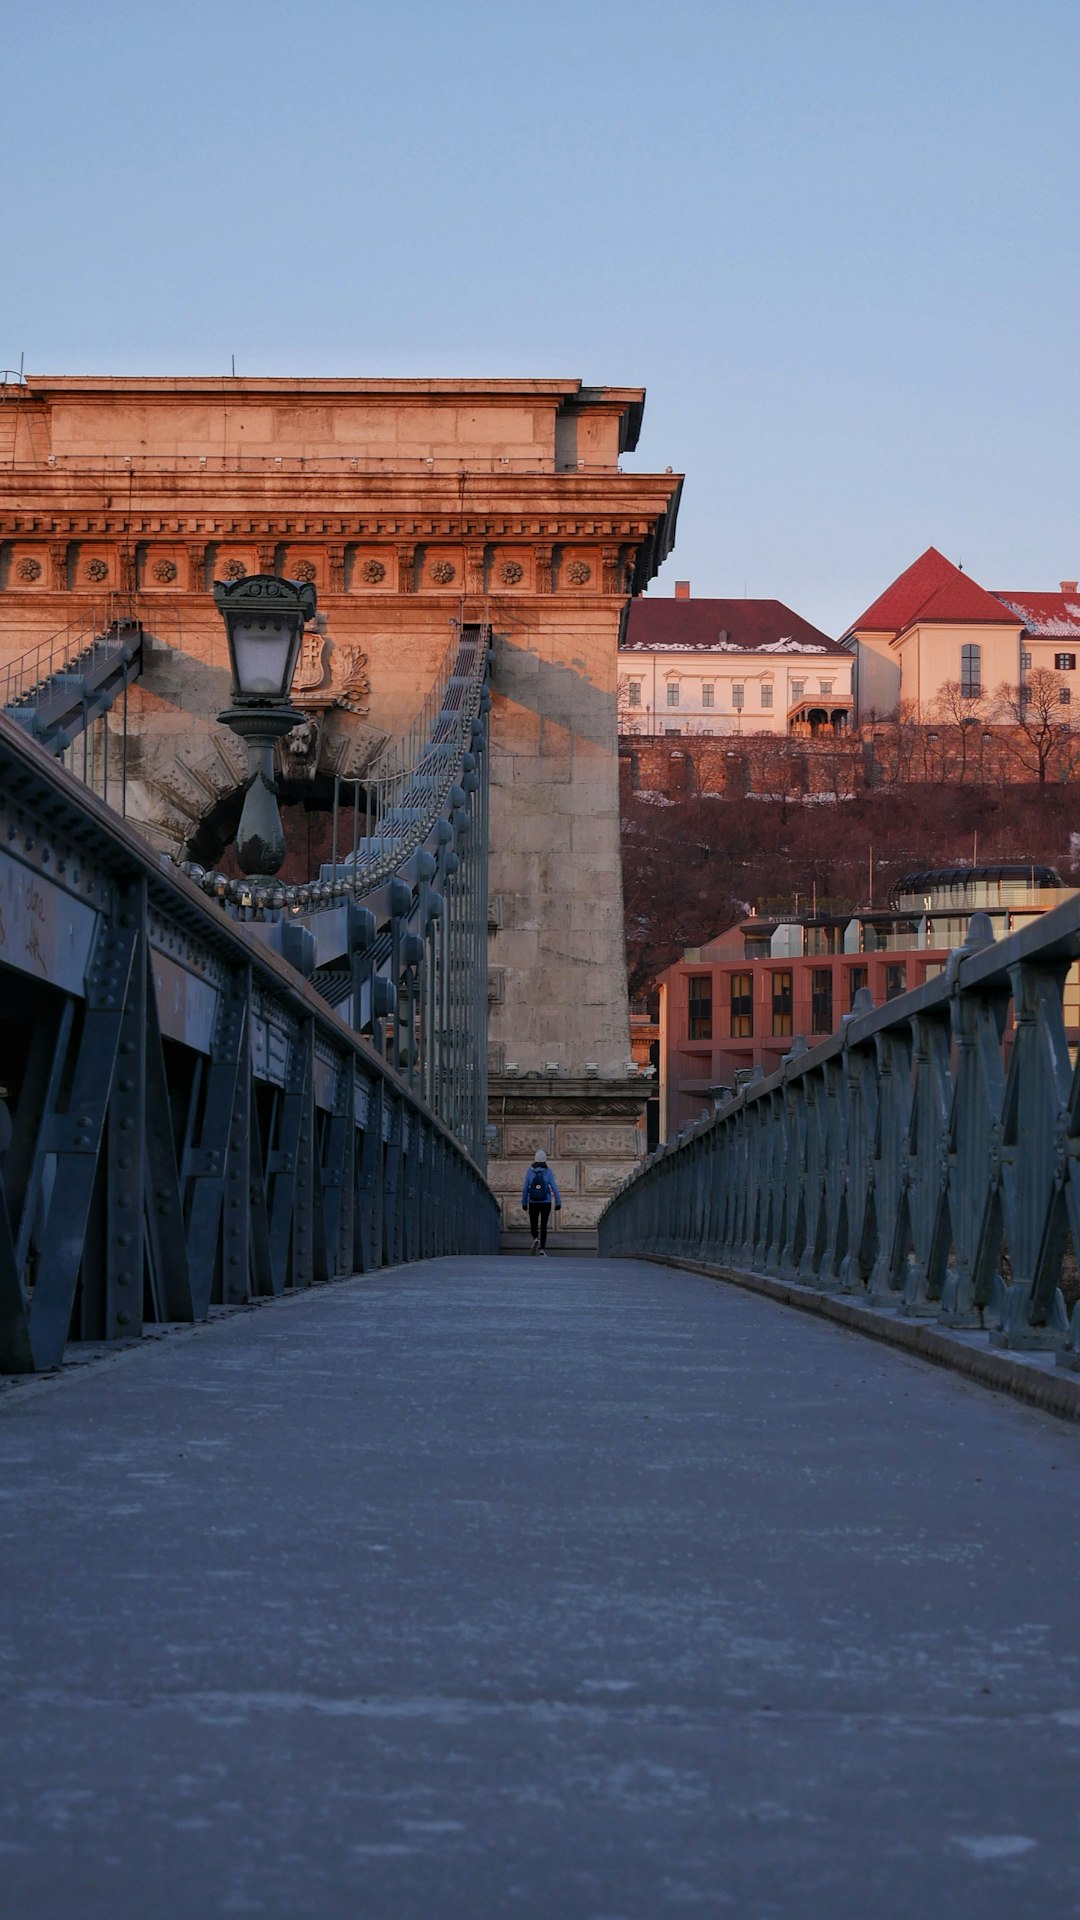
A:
x: 330, y: 675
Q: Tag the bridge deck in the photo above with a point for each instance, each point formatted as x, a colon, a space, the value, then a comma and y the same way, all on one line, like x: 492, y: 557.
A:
x: 565, y: 1589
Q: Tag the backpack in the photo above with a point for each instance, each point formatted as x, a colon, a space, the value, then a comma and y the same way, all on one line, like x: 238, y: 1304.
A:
x: 538, y: 1186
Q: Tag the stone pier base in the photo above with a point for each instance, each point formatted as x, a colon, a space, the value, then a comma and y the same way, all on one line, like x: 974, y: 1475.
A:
x: 593, y: 1133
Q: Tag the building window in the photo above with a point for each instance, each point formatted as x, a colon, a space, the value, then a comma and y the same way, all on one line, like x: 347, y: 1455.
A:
x: 857, y: 977
x: 708, y: 694
x: 971, y: 671
x: 766, y: 693
x: 798, y: 689
x: 1064, y: 663
x: 781, y: 1002
x: 1025, y: 660
x: 738, y: 696
x: 673, y: 693
x: 825, y: 689
x: 634, y: 695
x: 742, y: 1006
x: 700, y: 1006
x: 895, y: 979
x: 821, y: 1020
x: 1065, y: 696
x: 819, y: 939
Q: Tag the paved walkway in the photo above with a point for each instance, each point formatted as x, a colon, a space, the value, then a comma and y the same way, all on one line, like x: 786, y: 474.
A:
x: 574, y: 1590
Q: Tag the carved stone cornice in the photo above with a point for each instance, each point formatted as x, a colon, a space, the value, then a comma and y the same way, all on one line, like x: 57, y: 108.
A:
x: 389, y: 526
x: 634, y: 511
x: 538, y: 1097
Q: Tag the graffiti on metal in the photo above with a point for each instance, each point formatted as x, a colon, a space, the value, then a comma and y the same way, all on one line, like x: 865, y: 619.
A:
x: 44, y: 928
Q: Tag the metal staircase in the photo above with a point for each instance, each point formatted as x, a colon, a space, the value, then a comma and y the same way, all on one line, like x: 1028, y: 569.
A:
x: 60, y: 687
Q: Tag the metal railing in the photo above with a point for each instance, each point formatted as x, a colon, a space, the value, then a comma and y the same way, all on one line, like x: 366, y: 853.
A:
x: 184, y: 1120
x: 396, y: 802
x: 925, y: 1158
x: 100, y: 628
x: 414, y: 769
x: 396, y: 925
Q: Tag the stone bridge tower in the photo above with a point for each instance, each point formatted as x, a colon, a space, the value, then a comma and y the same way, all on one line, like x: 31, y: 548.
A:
x: 411, y: 504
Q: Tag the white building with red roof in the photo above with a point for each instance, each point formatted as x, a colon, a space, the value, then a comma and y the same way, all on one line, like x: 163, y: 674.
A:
x: 935, y: 633
x: 729, y: 666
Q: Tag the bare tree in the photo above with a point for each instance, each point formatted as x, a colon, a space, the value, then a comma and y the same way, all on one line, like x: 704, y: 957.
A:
x: 777, y: 768
x: 628, y: 717
x: 1040, y: 735
x: 964, y: 715
x: 896, y: 741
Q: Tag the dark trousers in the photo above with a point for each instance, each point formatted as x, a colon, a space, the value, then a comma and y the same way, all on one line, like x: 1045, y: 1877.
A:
x: 539, y: 1215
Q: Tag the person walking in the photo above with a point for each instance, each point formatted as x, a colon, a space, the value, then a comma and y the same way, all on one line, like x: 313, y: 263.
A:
x: 539, y: 1190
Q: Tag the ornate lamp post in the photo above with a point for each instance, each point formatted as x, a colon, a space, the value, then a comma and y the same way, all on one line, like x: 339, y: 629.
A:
x: 264, y: 617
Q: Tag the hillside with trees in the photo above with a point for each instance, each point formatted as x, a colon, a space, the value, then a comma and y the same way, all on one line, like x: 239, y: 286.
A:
x: 694, y: 865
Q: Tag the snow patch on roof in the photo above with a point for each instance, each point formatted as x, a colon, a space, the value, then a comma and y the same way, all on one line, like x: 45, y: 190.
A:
x: 1047, y: 624
x: 786, y: 645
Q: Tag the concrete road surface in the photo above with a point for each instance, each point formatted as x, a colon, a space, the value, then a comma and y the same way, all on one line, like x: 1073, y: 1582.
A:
x: 581, y: 1590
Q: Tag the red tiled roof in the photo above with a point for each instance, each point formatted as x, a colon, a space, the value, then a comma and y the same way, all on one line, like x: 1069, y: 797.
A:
x: 1051, y: 616
x: 747, y: 626
x: 932, y: 588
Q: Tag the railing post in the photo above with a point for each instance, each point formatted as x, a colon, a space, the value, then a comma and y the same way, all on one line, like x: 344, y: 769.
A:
x: 928, y: 1163
x: 1031, y: 1157
x: 861, y: 1072
x: 890, y: 1162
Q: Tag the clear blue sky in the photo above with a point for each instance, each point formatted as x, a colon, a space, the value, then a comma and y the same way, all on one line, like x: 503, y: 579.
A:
x: 835, y: 239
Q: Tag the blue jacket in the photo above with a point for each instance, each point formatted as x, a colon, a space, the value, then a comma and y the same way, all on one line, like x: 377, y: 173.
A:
x: 551, y: 1190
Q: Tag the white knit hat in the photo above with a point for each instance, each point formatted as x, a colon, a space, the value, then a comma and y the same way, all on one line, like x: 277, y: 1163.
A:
x: 539, y: 1158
